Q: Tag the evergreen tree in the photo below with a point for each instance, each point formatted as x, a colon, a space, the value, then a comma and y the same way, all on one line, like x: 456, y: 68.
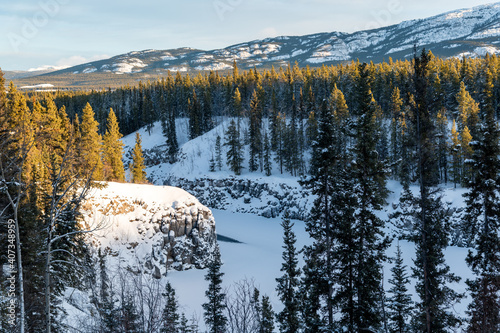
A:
x: 395, y: 109
x: 169, y: 127
x: 288, y: 283
x: 113, y: 150
x: 215, y: 320
x: 254, y: 132
x: 234, y: 154
x: 211, y: 166
x: 482, y: 222
x: 312, y: 288
x: 267, y: 316
x: 195, y: 115
x: 90, y: 144
x: 369, y: 238
x: 431, y: 223
x: 170, y: 317
x: 107, y: 307
x: 400, y: 303
x: 218, y: 153
x: 137, y: 167
x: 268, y: 167
x: 129, y: 316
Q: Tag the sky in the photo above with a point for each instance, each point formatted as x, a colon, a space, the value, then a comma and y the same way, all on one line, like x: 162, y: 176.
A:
x: 35, y: 34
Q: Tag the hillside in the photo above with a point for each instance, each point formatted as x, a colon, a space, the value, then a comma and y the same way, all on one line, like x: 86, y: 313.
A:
x: 471, y: 32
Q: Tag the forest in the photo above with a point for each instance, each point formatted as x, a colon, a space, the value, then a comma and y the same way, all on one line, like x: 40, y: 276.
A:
x: 343, y: 130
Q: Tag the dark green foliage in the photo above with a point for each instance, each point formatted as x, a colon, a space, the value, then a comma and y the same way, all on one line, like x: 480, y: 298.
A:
x: 267, y: 156
x: 267, y: 316
x: 399, y: 303
x: 429, y: 220
x: 234, y: 154
x: 129, y: 317
x: 288, y: 283
x: 170, y: 317
x: 370, y: 178
x: 218, y: 153
x: 254, y: 133
x: 482, y: 222
x: 215, y: 319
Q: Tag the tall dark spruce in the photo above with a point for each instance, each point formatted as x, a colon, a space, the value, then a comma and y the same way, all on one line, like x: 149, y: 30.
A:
x: 482, y: 220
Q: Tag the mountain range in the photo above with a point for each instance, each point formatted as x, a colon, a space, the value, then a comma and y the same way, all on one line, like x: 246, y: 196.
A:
x: 465, y: 32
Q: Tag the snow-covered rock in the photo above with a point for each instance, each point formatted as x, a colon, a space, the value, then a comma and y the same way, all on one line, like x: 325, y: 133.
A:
x: 152, y: 228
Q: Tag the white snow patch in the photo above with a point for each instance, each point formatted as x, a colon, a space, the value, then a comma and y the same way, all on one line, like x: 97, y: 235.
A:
x: 38, y: 86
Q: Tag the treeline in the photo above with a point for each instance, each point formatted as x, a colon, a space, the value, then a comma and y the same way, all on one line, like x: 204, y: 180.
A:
x: 48, y: 163
x: 284, y: 105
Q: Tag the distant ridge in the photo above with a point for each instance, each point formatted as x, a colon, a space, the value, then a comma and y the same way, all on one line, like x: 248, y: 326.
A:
x: 465, y: 32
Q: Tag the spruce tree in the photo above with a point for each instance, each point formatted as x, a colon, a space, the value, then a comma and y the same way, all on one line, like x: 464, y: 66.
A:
x: 113, y: 150
x: 482, y: 221
x: 288, y: 283
x: 129, y: 317
x: 330, y: 227
x: 218, y: 153
x: 399, y: 303
x: 431, y: 223
x: 90, y: 144
x: 169, y: 127
x: 268, y: 167
x: 137, y: 167
x: 234, y: 154
x: 170, y: 316
x: 267, y: 316
x: 370, y: 178
x: 215, y: 319
x: 254, y: 132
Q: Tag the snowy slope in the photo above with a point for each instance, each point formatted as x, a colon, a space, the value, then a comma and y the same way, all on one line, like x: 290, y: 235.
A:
x: 471, y: 32
x: 257, y: 256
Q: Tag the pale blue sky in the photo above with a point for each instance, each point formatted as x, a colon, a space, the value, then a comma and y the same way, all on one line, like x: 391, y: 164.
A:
x: 36, y: 33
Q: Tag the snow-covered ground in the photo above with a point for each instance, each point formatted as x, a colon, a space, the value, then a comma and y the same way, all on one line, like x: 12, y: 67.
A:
x: 258, y: 256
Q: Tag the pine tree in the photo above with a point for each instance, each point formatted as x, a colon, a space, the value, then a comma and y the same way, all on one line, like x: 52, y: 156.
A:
x: 312, y: 287
x: 368, y: 236
x: 129, y: 316
x: 170, y: 317
x: 234, y: 154
x: 107, y: 307
x: 288, y: 283
x: 482, y: 221
x: 456, y: 155
x: 113, y: 150
x: 218, y: 153
x: 330, y: 227
x: 215, y: 320
x: 395, y: 109
x: 267, y: 316
x: 468, y: 111
x: 400, y: 303
x: 268, y: 167
x: 254, y: 132
x: 211, y: 166
x: 431, y: 223
x: 195, y: 115
x: 137, y: 167
x: 169, y: 128
x: 90, y: 144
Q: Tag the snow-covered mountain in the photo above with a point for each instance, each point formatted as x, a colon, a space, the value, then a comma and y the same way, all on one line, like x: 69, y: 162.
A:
x: 469, y: 32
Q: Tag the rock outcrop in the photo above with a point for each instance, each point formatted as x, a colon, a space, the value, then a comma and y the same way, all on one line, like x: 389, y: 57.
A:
x: 249, y: 196
x: 151, y: 228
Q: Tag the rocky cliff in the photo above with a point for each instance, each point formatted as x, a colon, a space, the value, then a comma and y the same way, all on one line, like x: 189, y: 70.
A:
x: 151, y: 228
